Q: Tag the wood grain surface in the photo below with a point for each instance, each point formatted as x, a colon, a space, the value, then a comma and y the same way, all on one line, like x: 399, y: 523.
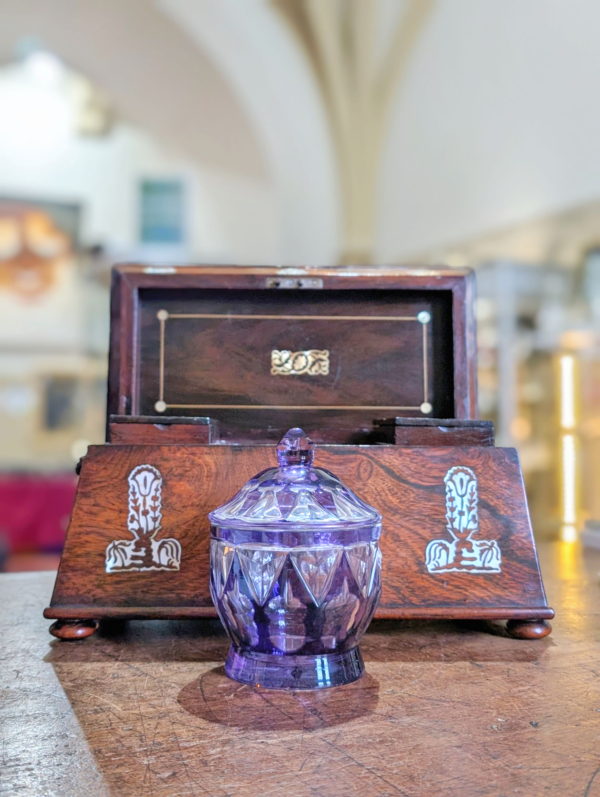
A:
x: 446, y: 708
x: 437, y: 432
x: 154, y: 430
x: 214, y: 328
x: 225, y: 359
x: 405, y: 484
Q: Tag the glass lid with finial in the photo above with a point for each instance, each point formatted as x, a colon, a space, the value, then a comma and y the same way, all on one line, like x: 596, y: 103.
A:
x: 294, y: 494
x: 295, y: 573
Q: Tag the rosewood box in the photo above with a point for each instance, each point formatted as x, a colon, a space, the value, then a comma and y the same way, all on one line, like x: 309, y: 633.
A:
x: 211, y: 365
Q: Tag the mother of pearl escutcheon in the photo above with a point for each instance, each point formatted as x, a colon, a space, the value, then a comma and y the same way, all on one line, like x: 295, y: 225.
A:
x: 462, y: 554
x: 144, y: 552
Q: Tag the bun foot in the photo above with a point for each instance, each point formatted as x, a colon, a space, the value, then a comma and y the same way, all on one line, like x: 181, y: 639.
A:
x: 528, y: 629
x: 73, y: 629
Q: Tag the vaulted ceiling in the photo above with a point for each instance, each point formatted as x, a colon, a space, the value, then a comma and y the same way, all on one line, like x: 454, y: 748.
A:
x: 383, y: 129
x: 155, y: 74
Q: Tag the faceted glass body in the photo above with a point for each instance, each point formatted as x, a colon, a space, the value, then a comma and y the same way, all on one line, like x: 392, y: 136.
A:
x: 295, y: 574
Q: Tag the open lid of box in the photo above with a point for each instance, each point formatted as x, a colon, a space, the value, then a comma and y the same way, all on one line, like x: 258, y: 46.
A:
x: 262, y: 349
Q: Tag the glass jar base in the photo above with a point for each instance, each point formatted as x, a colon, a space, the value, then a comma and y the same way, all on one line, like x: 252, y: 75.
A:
x: 294, y: 672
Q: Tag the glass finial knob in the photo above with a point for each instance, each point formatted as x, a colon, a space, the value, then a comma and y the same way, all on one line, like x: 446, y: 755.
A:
x: 295, y: 448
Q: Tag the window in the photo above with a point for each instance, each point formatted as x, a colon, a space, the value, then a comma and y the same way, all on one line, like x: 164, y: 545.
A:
x: 162, y: 212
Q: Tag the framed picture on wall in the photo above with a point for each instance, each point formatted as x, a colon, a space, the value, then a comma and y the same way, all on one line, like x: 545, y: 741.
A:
x: 38, y: 238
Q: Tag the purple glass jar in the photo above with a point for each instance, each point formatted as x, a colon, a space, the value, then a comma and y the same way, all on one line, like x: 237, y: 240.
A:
x: 295, y: 574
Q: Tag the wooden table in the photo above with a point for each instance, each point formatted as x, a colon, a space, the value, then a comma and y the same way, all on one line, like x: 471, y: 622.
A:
x: 445, y: 709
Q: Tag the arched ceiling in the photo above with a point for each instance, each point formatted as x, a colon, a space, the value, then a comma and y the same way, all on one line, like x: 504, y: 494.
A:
x: 254, y: 48
x: 492, y: 119
x: 496, y: 123
x: 155, y: 74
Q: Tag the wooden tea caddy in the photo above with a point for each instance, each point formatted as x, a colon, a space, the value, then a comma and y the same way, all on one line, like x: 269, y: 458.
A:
x: 209, y: 366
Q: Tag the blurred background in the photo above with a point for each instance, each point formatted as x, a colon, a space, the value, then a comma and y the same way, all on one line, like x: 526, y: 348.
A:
x: 299, y: 132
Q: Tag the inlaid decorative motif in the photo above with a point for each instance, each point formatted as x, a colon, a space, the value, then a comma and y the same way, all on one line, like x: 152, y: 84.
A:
x: 462, y: 553
x: 144, y: 552
x: 314, y: 362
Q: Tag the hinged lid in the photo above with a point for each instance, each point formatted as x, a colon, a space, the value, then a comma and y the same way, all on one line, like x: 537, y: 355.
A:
x: 295, y: 494
x: 261, y: 350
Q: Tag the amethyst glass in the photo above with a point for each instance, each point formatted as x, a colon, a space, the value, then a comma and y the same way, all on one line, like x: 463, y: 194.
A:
x: 295, y: 574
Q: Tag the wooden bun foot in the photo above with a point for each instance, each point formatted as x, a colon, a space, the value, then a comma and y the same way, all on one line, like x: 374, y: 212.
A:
x: 73, y: 629
x: 528, y: 629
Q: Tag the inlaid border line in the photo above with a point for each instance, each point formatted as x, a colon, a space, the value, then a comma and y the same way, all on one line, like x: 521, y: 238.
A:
x: 161, y: 406
x: 282, y: 407
x: 424, y: 317
x: 161, y: 388
x: 425, y: 385
x: 299, y: 317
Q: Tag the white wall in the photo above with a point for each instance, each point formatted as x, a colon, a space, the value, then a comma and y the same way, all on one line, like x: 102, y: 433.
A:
x: 265, y: 65
x: 498, y: 121
x: 230, y: 217
x: 495, y: 121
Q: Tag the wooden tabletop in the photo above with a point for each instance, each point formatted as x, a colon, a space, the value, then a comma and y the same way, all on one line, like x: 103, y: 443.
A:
x: 445, y: 708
